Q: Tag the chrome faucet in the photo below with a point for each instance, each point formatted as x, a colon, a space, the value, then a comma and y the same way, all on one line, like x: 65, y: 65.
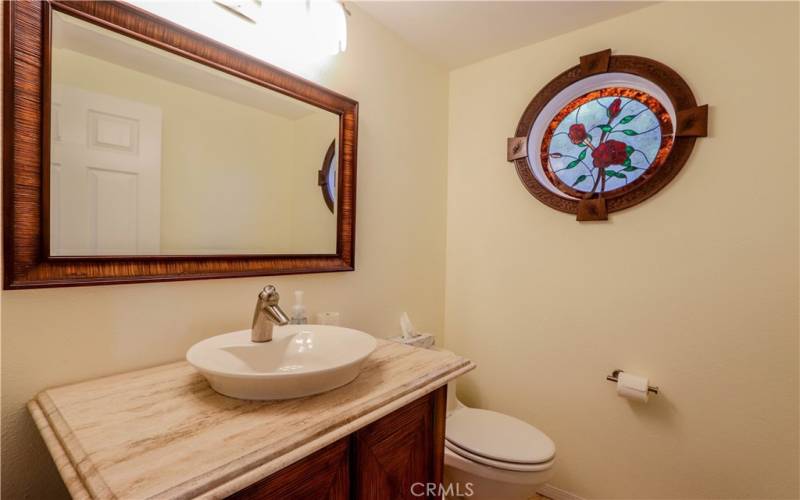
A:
x: 268, y: 314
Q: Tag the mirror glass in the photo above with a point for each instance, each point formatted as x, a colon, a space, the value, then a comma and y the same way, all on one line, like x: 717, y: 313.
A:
x: 154, y: 154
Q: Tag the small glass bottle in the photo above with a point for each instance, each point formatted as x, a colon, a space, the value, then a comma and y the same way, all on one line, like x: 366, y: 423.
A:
x: 299, y: 313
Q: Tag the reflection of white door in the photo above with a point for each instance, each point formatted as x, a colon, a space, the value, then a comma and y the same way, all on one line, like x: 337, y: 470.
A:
x: 105, y: 175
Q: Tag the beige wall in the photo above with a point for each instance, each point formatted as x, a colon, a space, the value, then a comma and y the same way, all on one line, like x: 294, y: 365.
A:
x: 52, y: 337
x: 312, y: 224
x: 696, y: 288
x: 260, y: 173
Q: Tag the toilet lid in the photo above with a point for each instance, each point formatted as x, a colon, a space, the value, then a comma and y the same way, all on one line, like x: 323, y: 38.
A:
x: 498, y: 437
x: 509, y: 466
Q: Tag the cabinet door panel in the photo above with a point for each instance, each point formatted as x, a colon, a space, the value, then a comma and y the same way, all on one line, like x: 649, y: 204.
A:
x: 383, y: 460
x: 401, y: 449
x: 324, y: 475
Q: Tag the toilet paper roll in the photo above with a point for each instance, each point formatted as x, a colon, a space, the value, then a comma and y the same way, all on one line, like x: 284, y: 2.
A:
x: 632, y: 387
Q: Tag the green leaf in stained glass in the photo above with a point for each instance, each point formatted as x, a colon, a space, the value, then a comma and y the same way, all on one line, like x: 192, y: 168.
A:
x: 605, y: 128
x: 629, y: 150
x: 630, y: 132
x: 627, y: 119
x: 627, y: 162
x: 582, y: 155
x: 629, y: 168
x: 580, y: 179
x: 572, y: 164
x: 614, y: 173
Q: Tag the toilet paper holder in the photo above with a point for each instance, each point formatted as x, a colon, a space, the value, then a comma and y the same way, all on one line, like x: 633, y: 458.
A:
x: 614, y: 377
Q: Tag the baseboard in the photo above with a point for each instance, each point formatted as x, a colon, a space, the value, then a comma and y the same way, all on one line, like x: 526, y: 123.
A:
x: 557, y: 494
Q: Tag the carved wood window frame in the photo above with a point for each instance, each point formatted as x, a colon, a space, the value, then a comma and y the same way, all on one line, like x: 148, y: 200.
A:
x: 691, y: 123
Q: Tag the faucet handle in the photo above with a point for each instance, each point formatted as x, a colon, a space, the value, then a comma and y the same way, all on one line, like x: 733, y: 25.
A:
x: 270, y: 295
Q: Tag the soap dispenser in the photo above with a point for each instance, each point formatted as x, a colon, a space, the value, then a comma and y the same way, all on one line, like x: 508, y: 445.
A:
x: 299, y: 314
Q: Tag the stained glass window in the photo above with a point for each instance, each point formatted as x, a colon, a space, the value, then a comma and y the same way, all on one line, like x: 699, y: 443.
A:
x: 605, y: 140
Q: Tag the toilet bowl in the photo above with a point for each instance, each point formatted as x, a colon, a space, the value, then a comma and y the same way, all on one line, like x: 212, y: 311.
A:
x: 464, y: 479
x: 489, y: 455
x: 492, y: 456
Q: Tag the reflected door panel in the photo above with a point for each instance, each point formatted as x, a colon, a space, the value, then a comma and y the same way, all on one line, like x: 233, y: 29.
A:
x: 105, y: 174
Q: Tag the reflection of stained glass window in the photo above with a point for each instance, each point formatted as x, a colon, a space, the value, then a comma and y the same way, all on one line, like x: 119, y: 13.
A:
x: 605, y: 140
x: 331, y: 184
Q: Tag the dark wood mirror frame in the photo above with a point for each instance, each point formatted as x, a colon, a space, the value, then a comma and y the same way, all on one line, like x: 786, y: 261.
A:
x: 26, y: 145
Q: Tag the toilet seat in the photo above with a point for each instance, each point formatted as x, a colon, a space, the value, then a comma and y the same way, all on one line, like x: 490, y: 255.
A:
x: 508, y: 466
x: 498, y: 440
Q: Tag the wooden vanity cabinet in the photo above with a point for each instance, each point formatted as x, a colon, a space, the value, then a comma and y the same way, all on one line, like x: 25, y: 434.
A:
x: 378, y: 462
x: 322, y: 475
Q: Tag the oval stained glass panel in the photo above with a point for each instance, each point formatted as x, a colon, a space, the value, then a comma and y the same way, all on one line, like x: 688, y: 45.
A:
x: 606, y: 141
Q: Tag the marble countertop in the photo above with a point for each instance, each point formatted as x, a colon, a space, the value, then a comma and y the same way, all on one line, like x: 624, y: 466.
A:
x: 163, y: 432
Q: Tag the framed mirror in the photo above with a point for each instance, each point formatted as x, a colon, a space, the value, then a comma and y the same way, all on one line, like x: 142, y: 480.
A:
x: 136, y: 150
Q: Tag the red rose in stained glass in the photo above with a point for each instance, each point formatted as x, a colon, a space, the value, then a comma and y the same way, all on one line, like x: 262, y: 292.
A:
x: 615, y: 108
x: 626, y: 132
x: 609, y: 153
x: 577, y: 133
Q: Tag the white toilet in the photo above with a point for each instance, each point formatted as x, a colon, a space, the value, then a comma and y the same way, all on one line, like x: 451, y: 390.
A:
x: 489, y: 455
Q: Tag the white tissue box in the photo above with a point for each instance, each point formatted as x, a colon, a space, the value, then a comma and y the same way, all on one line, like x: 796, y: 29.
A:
x: 424, y: 340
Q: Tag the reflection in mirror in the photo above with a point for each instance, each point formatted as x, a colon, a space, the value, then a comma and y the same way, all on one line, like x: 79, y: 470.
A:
x: 327, y: 176
x: 154, y: 154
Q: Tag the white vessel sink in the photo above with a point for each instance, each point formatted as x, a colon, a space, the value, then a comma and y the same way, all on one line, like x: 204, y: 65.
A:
x: 300, y: 360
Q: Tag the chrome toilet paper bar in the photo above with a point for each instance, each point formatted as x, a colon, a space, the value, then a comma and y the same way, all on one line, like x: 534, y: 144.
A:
x: 614, y: 377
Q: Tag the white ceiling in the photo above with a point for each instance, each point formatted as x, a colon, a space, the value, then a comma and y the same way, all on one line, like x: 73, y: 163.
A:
x: 457, y: 33
x: 80, y: 36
